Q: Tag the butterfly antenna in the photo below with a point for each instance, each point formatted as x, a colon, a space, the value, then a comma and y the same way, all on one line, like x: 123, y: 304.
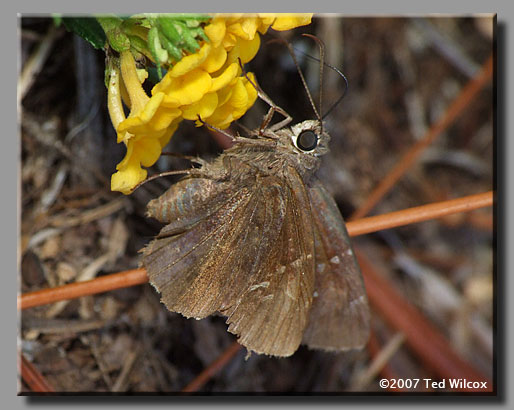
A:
x: 337, y: 71
x: 291, y: 51
x: 321, y: 64
x: 342, y: 95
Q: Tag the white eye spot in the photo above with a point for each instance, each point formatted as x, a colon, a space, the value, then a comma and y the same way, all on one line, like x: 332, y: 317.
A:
x: 321, y: 267
x: 349, y: 252
x: 315, y: 294
x: 335, y: 260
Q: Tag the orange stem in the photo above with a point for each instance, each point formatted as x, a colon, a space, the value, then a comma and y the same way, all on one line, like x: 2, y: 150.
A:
x: 419, y: 213
x: 78, y: 289
x: 33, y: 378
x: 409, y: 158
x: 213, y: 368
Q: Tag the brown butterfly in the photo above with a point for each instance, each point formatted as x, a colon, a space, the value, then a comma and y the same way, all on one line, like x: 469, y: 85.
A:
x: 255, y: 236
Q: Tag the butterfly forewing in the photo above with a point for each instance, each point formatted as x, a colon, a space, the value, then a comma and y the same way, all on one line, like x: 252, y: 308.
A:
x: 177, y: 264
x: 271, y: 315
x: 339, y: 317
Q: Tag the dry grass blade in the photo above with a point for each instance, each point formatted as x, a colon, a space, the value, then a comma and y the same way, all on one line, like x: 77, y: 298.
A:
x: 122, y: 382
x: 362, y: 379
x: 90, y: 215
x: 374, y: 348
x: 410, y: 157
x: 35, y: 62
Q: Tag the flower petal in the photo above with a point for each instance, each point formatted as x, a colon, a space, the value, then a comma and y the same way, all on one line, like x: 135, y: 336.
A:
x: 189, y: 88
x: 216, y: 31
x: 244, y: 49
x: 221, y: 118
x: 163, y: 85
x: 229, y: 41
x: 127, y: 178
x: 224, y: 95
x: 215, y: 60
x: 203, y: 108
x: 251, y: 90
x: 225, y: 78
x: 239, y: 98
x: 189, y: 63
x: 244, y: 28
x: 171, y: 130
x: 289, y: 21
x: 232, y: 18
x: 147, y: 150
x: 151, y: 107
x: 129, y: 173
x: 163, y: 118
x: 248, y: 48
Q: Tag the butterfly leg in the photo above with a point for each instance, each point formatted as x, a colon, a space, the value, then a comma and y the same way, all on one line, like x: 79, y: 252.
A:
x: 212, y: 127
x: 273, y: 108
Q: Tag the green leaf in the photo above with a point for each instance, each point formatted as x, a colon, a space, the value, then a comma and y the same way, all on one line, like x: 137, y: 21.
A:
x: 111, y: 25
x: 172, y: 49
x: 188, y: 41
x: 87, y: 28
x: 154, y: 43
x: 168, y: 29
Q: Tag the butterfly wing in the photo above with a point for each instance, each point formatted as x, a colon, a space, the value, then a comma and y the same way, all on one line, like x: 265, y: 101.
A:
x: 271, y: 315
x: 252, y: 259
x: 197, y: 271
x: 187, y: 202
x: 339, y: 317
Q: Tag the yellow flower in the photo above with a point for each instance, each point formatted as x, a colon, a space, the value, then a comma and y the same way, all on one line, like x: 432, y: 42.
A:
x: 208, y: 84
x: 147, y: 129
x: 233, y: 102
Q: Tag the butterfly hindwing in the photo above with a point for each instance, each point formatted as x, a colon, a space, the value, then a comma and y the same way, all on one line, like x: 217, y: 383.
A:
x: 339, y: 317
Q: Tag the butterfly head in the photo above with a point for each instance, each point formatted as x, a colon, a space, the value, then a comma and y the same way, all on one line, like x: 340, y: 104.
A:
x: 309, y: 138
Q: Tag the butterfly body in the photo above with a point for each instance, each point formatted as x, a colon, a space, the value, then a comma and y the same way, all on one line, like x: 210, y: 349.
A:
x: 255, y: 236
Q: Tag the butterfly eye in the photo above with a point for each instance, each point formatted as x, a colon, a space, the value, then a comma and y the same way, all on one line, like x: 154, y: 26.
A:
x: 307, y: 140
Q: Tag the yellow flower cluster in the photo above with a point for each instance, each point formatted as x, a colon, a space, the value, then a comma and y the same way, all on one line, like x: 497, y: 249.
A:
x: 208, y: 84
